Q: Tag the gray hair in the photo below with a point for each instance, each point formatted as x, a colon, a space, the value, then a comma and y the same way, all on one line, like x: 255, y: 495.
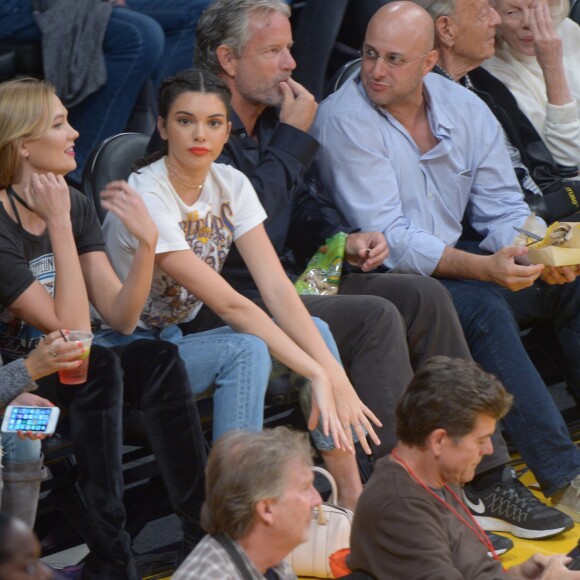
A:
x: 244, y: 468
x: 228, y: 22
x: 437, y: 8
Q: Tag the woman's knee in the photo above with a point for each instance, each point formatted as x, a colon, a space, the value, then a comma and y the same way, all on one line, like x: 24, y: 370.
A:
x: 104, y: 386
x: 15, y: 450
x: 154, y: 373
x: 252, y: 348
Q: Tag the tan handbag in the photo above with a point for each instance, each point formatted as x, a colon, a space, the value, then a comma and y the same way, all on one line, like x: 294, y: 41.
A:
x: 329, y: 532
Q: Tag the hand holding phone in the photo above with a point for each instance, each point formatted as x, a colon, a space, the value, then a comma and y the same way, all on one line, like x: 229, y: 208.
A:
x: 30, y: 420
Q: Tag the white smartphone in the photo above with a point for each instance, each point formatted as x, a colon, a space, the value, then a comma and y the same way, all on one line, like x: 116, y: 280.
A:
x: 36, y: 419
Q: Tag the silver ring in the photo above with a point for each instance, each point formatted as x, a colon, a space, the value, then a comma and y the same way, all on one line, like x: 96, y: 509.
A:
x: 53, y: 352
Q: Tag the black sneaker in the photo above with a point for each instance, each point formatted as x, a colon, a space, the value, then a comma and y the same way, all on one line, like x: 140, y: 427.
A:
x: 509, y: 506
x: 500, y: 544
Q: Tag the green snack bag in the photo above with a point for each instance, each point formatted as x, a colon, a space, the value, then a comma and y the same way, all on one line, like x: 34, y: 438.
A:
x: 322, y: 275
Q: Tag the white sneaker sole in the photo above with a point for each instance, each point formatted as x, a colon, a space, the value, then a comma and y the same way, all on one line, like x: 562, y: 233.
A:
x: 497, y: 525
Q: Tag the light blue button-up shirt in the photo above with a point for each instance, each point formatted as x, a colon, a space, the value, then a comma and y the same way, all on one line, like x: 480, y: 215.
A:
x: 379, y: 179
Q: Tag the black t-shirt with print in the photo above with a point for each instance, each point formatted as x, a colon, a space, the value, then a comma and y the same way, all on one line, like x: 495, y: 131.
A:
x: 24, y: 258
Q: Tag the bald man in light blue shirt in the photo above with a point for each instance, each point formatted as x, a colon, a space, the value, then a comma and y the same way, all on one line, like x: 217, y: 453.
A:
x: 410, y: 154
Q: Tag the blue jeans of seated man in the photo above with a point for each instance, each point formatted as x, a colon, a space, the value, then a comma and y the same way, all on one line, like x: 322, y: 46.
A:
x: 238, y: 364
x: 132, y: 46
x: 489, y: 316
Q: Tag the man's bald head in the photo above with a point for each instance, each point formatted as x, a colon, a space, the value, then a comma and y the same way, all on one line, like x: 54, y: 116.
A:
x: 398, y: 52
x: 407, y: 17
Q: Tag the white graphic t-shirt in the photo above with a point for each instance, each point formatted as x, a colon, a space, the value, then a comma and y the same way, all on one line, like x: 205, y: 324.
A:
x: 227, y: 208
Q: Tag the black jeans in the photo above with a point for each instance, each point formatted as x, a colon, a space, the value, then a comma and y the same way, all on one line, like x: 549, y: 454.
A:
x: 149, y: 374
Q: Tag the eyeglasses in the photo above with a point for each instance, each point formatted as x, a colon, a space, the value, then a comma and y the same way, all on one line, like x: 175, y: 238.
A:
x: 392, y: 59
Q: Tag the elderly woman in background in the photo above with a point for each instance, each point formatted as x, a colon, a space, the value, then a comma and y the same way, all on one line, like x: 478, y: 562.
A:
x: 537, y: 57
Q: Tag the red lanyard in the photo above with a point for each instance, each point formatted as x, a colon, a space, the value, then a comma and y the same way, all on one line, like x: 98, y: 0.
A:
x: 475, y: 528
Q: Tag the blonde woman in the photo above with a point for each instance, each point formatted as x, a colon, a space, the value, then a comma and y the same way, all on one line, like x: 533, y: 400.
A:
x: 52, y: 263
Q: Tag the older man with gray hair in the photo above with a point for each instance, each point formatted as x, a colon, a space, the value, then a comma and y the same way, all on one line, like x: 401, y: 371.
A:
x: 465, y: 38
x: 258, y: 506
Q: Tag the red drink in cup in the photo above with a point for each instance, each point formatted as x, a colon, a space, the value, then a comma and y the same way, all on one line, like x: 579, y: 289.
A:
x: 78, y: 375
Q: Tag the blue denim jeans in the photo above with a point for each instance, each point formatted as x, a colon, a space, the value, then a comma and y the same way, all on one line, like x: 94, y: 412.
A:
x: 232, y: 366
x: 490, y: 316
x: 178, y: 18
x: 235, y: 367
x: 15, y: 450
x: 133, y: 46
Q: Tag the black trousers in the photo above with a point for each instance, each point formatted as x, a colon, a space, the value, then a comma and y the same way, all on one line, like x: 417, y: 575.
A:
x: 150, y: 375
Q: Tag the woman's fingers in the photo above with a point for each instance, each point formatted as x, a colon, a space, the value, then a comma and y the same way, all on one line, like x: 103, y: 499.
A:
x: 345, y: 438
x: 315, y: 415
x: 362, y: 427
x: 345, y: 424
x: 371, y: 416
x: 30, y: 435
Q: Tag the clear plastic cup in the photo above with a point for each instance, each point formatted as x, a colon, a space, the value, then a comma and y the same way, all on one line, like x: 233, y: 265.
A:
x: 79, y: 375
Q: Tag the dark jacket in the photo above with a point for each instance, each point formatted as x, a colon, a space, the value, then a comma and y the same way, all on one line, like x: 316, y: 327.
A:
x: 276, y: 163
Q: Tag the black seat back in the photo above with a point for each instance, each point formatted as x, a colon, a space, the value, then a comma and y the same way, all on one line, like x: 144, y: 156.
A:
x: 112, y: 159
x: 347, y: 71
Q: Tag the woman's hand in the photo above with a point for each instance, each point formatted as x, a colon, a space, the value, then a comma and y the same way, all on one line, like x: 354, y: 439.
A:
x: 548, y: 50
x: 323, y: 407
x: 547, y: 43
x: 30, y: 400
x: 121, y: 199
x: 48, y: 196
x: 53, y: 354
x: 352, y: 412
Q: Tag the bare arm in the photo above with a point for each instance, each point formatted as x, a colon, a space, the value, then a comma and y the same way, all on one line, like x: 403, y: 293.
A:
x: 120, y: 304
x: 290, y: 313
x: 244, y: 316
x: 500, y: 267
x: 49, y: 197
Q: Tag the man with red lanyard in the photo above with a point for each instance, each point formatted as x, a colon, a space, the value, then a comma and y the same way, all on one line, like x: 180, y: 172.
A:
x: 410, y: 521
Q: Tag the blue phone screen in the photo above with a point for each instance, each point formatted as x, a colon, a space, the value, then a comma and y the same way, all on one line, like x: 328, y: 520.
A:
x: 25, y: 419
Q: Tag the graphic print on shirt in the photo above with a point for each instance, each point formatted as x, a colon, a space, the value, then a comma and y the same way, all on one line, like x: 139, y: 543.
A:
x: 17, y: 338
x: 210, y: 237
